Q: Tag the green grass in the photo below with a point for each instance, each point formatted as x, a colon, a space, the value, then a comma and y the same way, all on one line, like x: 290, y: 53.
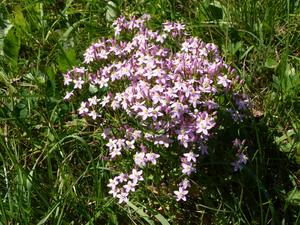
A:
x: 52, y: 167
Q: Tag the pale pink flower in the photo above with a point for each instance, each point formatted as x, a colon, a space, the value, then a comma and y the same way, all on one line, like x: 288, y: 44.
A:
x: 151, y: 157
x: 93, y: 114
x: 224, y: 81
x: 187, y: 168
x: 105, y: 100
x: 93, y: 101
x: 190, y: 156
x: 83, y: 109
x: 130, y: 186
x: 68, y: 95
x: 181, y: 194
x: 136, y: 176
x: 67, y: 79
x: 123, y: 197
x: 185, y: 184
x: 140, y: 159
x: 78, y: 83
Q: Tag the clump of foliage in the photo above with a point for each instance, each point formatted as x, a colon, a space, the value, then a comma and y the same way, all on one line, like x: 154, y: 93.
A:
x: 55, y: 165
x: 164, y: 93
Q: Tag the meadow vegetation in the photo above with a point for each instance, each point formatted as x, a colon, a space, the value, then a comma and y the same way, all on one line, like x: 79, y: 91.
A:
x: 54, y: 166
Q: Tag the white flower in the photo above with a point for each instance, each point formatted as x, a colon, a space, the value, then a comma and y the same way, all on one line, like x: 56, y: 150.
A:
x: 139, y: 159
x: 78, y: 83
x: 130, y: 186
x: 191, y: 156
x: 151, y: 157
x: 93, y: 101
x: 187, y: 168
x: 113, y: 183
x: 83, y: 109
x: 123, y: 197
x: 224, y: 81
x: 93, y: 114
x: 115, y: 152
x: 130, y: 144
x: 181, y: 194
x: 68, y: 95
x: 136, y: 176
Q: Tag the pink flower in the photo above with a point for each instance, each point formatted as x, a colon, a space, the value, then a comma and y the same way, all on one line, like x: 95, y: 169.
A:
x: 183, y: 137
x: 123, y: 197
x: 151, y: 157
x: 130, y: 186
x: 115, y: 152
x: 78, y: 83
x: 93, y: 114
x: 240, y: 163
x: 185, y: 184
x: 136, y: 176
x: 114, y: 192
x: 187, y: 168
x: 140, y: 159
x: 122, y: 177
x: 144, y: 113
x: 224, y: 81
x: 67, y: 79
x: 105, y: 100
x: 113, y: 183
x: 191, y: 157
x: 181, y: 194
x: 68, y: 95
x: 83, y: 109
x: 137, y: 134
x: 93, y: 101
x: 204, y: 123
x: 155, y: 112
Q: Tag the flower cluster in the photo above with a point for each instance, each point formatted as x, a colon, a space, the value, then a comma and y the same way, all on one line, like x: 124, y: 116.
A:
x: 168, y: 83
x: 242, y: 159
x: 182, y: 192
x: 123, y: 184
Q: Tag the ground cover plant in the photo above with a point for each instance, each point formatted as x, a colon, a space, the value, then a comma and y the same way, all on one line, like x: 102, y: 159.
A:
x: 168, y: 97
x: 55, y: 164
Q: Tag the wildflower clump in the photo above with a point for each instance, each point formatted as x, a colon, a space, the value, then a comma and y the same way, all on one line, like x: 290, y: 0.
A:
x: 239, y: 147
x: 165, y: 89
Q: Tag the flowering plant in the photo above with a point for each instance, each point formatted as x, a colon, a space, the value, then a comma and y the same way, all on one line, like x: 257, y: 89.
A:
x: 166, y: 88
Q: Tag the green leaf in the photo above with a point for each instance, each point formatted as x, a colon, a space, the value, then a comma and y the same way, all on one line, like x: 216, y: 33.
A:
x: 19, y: 19
x: 215, y: 10
x: 46, y: 217
x: 297, y: 156
x: 67, y: 59
x: 246, y: 52
x: 12, y: 45
x: 3, y: 34
x: 67, y: 33
x: 4, y: 79
x: 93, y: 89
x: 50, y: 135
x: 294, y: 197
x: 112, y: 11
x: 24, y: 113
x: 161, y: 219
x: 141, y: 213
x: 271, y: 63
